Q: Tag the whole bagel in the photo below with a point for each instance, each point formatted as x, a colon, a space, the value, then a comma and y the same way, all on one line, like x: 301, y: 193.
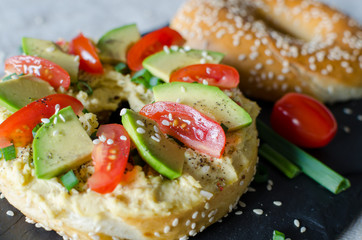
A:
x: 279, y: 46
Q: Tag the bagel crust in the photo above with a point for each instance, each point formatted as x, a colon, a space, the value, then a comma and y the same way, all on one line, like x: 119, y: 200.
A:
x: 144, y: 205
x: 279, y: 46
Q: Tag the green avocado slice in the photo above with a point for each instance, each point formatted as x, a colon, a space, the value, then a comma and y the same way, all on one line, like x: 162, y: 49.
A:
x: 209, y: 100
x: 60, y: 145
x: 161, y: 153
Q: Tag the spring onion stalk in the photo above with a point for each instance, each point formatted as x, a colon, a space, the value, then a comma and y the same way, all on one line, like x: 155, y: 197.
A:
x: 69, y: 180
x: 84, y: 86
x: 9, y: 152
x: 278, y: 235
x: 309, y: 165
x: 121, y: 68
x: 287, y: 167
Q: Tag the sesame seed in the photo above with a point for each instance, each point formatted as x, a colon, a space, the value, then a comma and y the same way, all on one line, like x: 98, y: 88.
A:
x: 269, y: 187
x: 14, y: 76
x: 61, y: 117
x: 202, y: 60
x: 188, y: 222
x: 258, y: 211
x: 183, y: 238
x: 280, y: 77
x: 258, y: 66
x: 174, y: 47
x: 140, y: 130
x: 192, y: 233
x: 155, y: 139
x: 202, y: 228
x: 277, y: 203
x: 242, y: 57
x: 57, y: 108
x: 166, y: 229
x: 347, y: 111
x: 205, y: 82
x: 55, y: 120
x: 10, y: 213
x: 359, y: 117
x: 211, y: 219
x: 269, y: 62
x: 242, y: 204
x: 157, y: 136
x: 165, y: 123
x: 55, y: 132
x: 178, y: 100
x: 251, y: 189
x: 241, y: 183
x: 123, y: 111
x: 156, y: 128
x: 166, y: 49
x: 123, y: 138
x: 193, y: 225
x: 194, y: 216
x: 2, y: 196
x: 183, y: 89
x: 238, y: 212
x: 110, y: 141
x: 38, y: 225
x: 139, y: 122
x: 206, y: 194
x: 96, y: 141
x: 175, y: 222
x: 296, y: 223
x: 156, y: 234
x: 102, y: 138
x: 50, y: 49
x: 187, y: 48
x: 203, y: 214
x: 346, y: 129
x: 170, y: 116
x: 303, y: 229
x: 45, y: 120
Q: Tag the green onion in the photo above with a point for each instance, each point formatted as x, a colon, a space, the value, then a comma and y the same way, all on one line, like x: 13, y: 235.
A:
x: 224, y: 127
x: 312, y: 167
x: 85, y: 111
x: 84, y: 86
x: 122, y: 68
x: 69, y: 180
x: 11, y: 76
x: 145, y: 78
x: 279, y: 161
x: 36, y: 128
x: 261, y: 174
x: 278, y: 235
x: 9, y: 152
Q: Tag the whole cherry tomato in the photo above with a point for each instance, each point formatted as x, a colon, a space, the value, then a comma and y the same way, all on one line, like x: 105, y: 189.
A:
x: 218, y: 75
x: 150, y: 44
x: 303, y: 121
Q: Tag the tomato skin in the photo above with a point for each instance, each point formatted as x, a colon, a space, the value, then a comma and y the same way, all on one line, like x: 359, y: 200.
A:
x: 88, y: 57
x: 150, y: 44
x: 109, y: 160
x: 17, y: 128
x: 189, y: 126
x: 303, y: 121
x: 218, y: 75
x: 42, y: 68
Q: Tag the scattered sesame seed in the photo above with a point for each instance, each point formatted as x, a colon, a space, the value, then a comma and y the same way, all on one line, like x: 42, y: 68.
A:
x: 175, y: 222
x: 166, y: 229
x: 238, y: 212
x: 170, y: 116
x: 2, y: 196
x: 270, y: 182
x: 139, y: 122
x: 156, y: 234
x: 187, y: 48
x: 202, y: 60
x: 174, y: 48
x: 156, y: 128
x: 61, y: 117
x: 277, y: 203
x: 269, y: 187
x: 205, y: 82
x: 123, y: 111
x: 55, y: 120
x: 102, y: 138
x: 178, y: 100
x: 258, y: 211
x: 258, y: 66
x: 346, y: 129
x: 166, y: 49
x: 38, y: 225
x: 10, y: 213
x: 251, y: 189
x: 296, y: 223
x: 140, y: 130
x: 183, y: 238
x: 193, y: 225
x: 203, y: 214
x: 192, y: 233
x: 50, y: 49
x: 211, y: 219
x: 202, y: 228
x: 241, y: 183
x: 55, y: 132
x: 188, y: 222
x: 123, y: 138
x: 194, y: 216
x: 303, y: 229
x: 242, y: 204
x: 45, y: 120
x: 242, y: 57
x: 110, y: 141
x: 183, y: 89
x: 165, y: 123
x: 206, y: 194
x: 359, y: 117
x: 155, y: 139
x: 347, y: 111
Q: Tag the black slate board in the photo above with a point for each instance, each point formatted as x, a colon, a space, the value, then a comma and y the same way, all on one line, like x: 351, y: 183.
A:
x: 324, y: 214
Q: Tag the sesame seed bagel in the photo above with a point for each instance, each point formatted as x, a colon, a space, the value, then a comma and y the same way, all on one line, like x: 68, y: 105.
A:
x: 279, y: 46
x: 144, y: 205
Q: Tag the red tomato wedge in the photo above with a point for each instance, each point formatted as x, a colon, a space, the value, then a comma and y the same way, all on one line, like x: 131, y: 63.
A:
x: 189, y: 126
x: 303, y: 121
x: 17, y: 128
x: 109, y: 158
x: 88, y: 57
x: 218, y: 75
x: 150, y: 44
x: 44, y: 69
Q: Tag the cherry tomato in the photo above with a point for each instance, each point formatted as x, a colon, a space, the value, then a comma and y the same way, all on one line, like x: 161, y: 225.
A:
x: 303, y: 121
x: 188, y: 125
x: 150, y: 44
x: 219, y: 75
x: 44, y: 69
x: 88, y: 57
x: 17, y: 128
x: 109, y: 158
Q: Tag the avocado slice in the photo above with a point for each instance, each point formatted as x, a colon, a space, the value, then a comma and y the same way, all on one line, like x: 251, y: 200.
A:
x: 17, y: 93
x: 209, y: 100
x: 59, y: 145
x: 52, y: 52
x: 162, y: 154
x: 163, y: 63
x: 114, y: 44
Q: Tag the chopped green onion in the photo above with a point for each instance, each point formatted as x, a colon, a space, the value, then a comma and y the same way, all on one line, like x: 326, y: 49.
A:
x: 9, y: 152
x: 145, y: 78
x: 224, y: 127
x: 154, y: 81
x: 278, y: 235
x: 69, y: 180
x: 84, y: 86
x: 122, y: 68
x: 11, y: 76
x: 85, y: 110
x: 312, y: 167
x: 261, y: 174
x: 287, y: 167
x: 36, y: 128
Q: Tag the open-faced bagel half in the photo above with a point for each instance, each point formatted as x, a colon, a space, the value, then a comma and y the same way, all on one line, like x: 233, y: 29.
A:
x: 279, y: 46
x: 144, y: 205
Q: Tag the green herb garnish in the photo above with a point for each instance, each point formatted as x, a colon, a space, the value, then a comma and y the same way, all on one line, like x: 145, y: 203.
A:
x: 9, y: 152
x: 278, y: 235
x: 145, y: 78
x: 69, y: 180
x: 122, y: 68
x: 84, y: 86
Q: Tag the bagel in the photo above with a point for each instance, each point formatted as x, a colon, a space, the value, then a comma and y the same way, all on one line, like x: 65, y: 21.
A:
x: 144, y: 205
x: 279, y: 46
